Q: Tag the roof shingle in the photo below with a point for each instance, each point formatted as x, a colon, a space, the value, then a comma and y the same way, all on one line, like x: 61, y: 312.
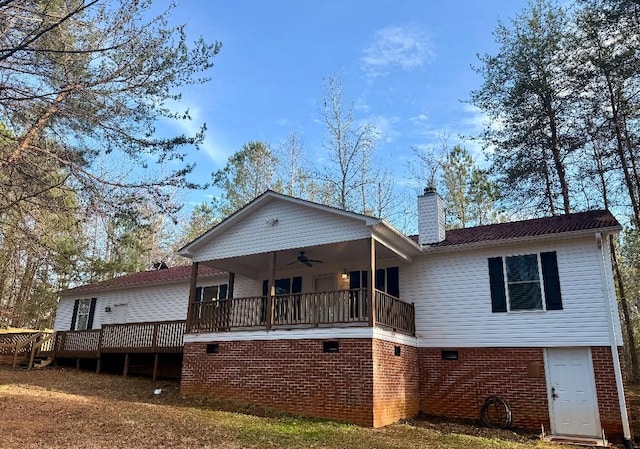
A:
x: 166, y: 276
x: 580, y: 221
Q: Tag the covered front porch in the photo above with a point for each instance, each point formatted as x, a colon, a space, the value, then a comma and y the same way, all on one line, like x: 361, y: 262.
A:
x: 297, y: 264
x: 317, y: 309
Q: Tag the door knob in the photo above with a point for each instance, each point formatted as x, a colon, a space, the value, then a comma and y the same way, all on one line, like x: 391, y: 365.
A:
x: 553, y: 393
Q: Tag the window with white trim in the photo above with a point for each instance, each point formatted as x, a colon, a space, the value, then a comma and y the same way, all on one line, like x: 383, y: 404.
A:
x: 525, y: 282
x: 82, y: 314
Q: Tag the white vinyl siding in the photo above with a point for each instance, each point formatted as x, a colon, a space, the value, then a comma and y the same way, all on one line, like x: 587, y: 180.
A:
x: 453, y: 302
x: 297, y: 226
x: 150, y: 303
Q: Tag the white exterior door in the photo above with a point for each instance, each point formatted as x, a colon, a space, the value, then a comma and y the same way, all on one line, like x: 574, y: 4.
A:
x: 324, y: 284
x: 120, y: 313
x: 573, y: 404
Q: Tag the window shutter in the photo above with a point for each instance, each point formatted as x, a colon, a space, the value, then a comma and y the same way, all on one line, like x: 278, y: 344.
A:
x: 393, y: 281
x: 198, y: 294
x: 265, y: 292
x: 496, y: 282
x: 92, y: 312
x: 296, y: 284
x: 380, y: 281
x: 75, y: 314
x: 223, y: 291
x: 551, y: 280
x: 354, y: 280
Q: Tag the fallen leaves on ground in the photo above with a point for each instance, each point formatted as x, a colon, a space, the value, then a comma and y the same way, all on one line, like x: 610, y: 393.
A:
x: 66, y: 408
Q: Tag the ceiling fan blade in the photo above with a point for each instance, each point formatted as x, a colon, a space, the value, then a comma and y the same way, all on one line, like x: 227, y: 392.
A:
x: 291, y: 263
x: 315, y: 261
x: 307, y: 262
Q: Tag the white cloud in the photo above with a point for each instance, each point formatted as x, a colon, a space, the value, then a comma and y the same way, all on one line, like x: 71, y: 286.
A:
x: 217, y: 154
x: 397, y: 46
x: 385, y: 126
x: 284, y: 122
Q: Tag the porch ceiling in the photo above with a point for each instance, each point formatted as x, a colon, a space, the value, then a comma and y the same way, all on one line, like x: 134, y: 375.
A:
x: 342, y: 255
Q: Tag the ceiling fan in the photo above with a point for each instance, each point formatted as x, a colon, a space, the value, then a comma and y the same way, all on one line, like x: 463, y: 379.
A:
x: 302, y: 258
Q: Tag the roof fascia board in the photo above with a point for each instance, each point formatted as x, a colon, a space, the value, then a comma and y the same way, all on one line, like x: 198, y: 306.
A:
x: 401, y: 245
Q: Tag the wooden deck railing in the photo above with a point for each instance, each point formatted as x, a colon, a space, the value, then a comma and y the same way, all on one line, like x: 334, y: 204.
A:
x: 161, y: 336
x: 153, y: 337
x: 341, y: 307
x: 77, y: 343
x: 395, y: 314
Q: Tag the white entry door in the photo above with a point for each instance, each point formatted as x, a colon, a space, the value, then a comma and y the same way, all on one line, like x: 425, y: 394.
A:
x: 573, y: 402
x: 120, y: 313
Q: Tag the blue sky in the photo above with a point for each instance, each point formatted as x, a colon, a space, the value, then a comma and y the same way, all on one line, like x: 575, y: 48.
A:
x: 405, y: 65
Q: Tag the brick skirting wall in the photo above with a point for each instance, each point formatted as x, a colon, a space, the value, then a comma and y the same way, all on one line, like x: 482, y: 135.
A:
x: 458, y: 388
x: 366, y: 383
x: 288, y: 375
x: 396, y: 382
x: 296, y: 376
x: 609, y: 407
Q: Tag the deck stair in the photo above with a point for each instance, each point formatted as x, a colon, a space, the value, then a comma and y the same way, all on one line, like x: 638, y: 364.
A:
x: 41, y: 362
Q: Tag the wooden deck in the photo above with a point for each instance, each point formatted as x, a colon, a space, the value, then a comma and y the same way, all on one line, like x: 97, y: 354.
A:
x: 154, y: 337
x: 321, y: 309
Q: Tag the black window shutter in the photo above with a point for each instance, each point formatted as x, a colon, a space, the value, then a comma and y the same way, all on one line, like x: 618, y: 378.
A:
x: 224, y: 288
x: 496, y: 282
x: 296, y: 284
x: 92, y: 312
x: 551, y: 280
x: 380, y: 281
x: 354, y: 280
x: 198, y: 294
x: 75, y: 314
x: 265, y: 287
x: 393, y: 281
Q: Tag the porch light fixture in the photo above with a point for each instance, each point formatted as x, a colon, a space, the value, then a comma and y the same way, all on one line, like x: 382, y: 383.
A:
x: 344, y: 275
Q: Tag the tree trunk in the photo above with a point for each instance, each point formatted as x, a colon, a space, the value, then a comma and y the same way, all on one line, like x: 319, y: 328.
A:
x: 557, y: 158
x: 626, y: 315
x: 620, y: 150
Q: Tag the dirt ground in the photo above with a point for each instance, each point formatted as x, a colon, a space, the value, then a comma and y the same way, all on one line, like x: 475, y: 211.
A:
x: 66, y: 408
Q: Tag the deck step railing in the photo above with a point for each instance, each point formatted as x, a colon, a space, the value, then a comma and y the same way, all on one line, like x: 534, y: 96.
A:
x: 22, y: 346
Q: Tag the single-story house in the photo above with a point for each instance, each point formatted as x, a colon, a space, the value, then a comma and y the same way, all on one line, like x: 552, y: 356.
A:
x: 323, y: 312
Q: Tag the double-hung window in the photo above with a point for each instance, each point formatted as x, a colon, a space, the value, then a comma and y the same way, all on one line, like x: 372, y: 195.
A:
x: 525, y: 282
x: 212, y: 293
x: 83, y: 312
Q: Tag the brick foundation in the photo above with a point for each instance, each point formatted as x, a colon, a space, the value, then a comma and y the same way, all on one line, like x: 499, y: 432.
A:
x: 609, y: 407
x: 458, y: 388
x: 396, y: 382
x: 289, y: 375
x: 364, y: 383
